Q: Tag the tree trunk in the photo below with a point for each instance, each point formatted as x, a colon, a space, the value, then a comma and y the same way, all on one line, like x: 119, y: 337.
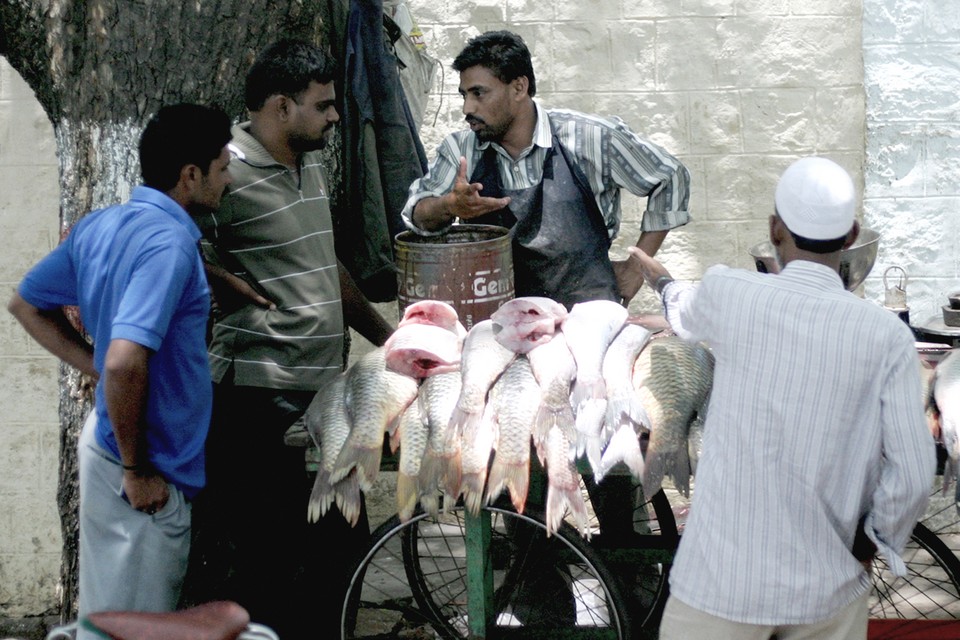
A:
x: 100, y: 69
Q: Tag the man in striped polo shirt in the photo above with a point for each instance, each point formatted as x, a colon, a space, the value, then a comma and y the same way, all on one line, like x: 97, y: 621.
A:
x: 285, y: 300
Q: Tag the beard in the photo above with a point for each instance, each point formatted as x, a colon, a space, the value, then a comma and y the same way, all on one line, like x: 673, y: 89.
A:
x: 303, y: 143
x: 487, y: 132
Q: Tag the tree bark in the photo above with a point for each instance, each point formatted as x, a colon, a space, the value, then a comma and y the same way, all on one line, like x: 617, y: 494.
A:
x: 100, y: 69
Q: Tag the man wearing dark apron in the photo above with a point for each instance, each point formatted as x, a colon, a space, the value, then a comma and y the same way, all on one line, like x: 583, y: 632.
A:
x: 554, y: 181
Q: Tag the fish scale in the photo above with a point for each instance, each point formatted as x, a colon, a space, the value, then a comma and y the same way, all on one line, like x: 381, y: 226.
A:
x: 673, y: 379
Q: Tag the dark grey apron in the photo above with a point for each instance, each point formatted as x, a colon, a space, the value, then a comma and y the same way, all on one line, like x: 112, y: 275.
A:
x: 561, y: 255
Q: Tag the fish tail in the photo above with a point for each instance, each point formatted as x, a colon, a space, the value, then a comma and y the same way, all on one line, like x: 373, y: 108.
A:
x: 585, y: 390
x: 655, y: 468
x: 367, y: 463
x: 348, y: 498
x: 431, y: 471
x: 515, y: 477
x: 561, y: 500
x: 464, y: 425
x: 451, y: 479
x: 321, y: 496
x: 408, y: 492
x: 627, y: 406
x: 679, y: 466
x: 471, y: 486
x: 623, y: 447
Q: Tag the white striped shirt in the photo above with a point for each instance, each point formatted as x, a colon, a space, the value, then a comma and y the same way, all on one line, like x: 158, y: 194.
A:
x: 815, y: 419
x: 606, y: 150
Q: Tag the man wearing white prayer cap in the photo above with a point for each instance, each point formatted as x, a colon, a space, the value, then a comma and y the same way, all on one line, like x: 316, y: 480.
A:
x: 816, y: 455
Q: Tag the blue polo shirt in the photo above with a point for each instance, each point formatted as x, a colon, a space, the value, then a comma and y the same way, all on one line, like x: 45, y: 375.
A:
x: 136, y: 273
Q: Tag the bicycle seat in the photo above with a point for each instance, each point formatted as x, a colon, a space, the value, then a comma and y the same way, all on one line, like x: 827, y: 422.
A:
x: 220, y: 620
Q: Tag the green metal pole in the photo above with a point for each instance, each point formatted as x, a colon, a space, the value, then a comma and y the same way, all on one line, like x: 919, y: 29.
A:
x: 479, y: 574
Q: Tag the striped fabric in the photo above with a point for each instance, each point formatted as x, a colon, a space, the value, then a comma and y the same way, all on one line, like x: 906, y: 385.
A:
x: 610, y: 155
x: 816, y: 419
x: 274, y: 229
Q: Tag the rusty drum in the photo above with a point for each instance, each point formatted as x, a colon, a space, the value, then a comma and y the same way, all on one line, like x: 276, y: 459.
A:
x: 469, y: 267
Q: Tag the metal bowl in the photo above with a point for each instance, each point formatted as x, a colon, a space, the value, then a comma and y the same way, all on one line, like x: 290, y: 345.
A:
x: 855, y: 262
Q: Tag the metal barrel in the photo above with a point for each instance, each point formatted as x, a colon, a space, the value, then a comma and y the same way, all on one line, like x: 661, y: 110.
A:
x: 469, y: 267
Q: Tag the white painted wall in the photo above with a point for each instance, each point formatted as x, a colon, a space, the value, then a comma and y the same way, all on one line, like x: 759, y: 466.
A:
x: 29, y: 441
x: 736, y: 88
x: 911, y: 51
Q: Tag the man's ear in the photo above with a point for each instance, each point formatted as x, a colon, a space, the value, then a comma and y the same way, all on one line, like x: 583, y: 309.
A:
x: 777, y: 229
x: 520, y: 86
x: 190, y: 176
x: 852, y: 235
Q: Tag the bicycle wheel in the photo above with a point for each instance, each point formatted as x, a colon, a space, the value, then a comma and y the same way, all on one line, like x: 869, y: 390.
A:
x: 931, y: 588
x: 414, y: 578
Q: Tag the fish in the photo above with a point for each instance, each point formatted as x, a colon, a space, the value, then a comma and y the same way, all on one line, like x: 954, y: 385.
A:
x: 375, y: 397
x: 524, y: 323
x: 481, y: 363
x: 437, y: 398
x: 517, y: 401
x: 413, y: 444
x: 475, y: 459
x: 674, y: 378
x: 589, y: 328
x: 943, y: 403
x: 436, y: 313
x: 563, y: 485
x: 421, y: 350
x: 328, y: 424
x: 625, y: 416
x: 555, y: 369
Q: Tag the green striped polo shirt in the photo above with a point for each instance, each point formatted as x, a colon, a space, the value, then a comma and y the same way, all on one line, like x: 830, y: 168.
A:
x: 273, y: 229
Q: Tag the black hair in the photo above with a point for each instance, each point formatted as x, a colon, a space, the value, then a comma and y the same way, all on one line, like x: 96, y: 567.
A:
x: 286, y: 68
x: 503, y: 53
x: 818, y: 246
x: 179, y: 135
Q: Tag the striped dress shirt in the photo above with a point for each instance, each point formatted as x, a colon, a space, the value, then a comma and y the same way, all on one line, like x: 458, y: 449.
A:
x: 815, y: 420
x: 274, y: 229
x: 609, y: 153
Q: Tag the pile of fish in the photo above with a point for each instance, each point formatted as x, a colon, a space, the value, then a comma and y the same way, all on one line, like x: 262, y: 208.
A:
x: 465, y: 409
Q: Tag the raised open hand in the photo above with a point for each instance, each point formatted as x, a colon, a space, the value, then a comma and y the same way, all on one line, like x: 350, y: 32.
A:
x: 465, y: 199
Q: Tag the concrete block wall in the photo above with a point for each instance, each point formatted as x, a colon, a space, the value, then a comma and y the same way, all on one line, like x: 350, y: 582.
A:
x: 29, y: 441
x: 911, y: 51
x: 737, y: 89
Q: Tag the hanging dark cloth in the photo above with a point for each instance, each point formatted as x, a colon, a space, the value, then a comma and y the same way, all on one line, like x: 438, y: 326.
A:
x: 560, y: 242
x: 381, y: 150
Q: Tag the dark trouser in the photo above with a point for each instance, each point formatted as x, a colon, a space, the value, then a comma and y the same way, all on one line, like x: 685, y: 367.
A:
x: 252, y: 541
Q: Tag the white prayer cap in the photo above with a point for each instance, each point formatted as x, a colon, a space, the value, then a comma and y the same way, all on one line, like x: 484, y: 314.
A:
x: 815, y: 198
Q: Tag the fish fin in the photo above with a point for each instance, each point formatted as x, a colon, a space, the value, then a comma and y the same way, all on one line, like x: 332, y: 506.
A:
x: 348, y: 498
x: 471, y: 487
x: 395, y: 439
x: 464, y: 424
x: 679, y: 466
x: 366, y: 461
x: 408, y: 491
x: 653, y: 472
x: 431, y: 472
x: 430, y: 502
x: 561, y: 500
x: 587, y: 389
x: 515, y: 477
x: 623, y: 447
x: 451, y: 474
x: 548, y: 417
x: 627, y: 406
x: 321, y: 496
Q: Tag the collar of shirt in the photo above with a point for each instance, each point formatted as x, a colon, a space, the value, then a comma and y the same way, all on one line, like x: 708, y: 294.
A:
x: 542, y: 135
x: 811, y: 274
x: 248, y: 149
x: 165, y: 203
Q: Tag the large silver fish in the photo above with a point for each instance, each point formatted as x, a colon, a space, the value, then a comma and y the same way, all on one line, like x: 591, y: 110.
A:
x: 329, y: 426
x: 589, y: 328
x: 943, y: 402
x: 413, y: 444
x: 516, y: 398
x: 375, y: 397
x: 555, y: 369
x: 475, y: 459
x: 481, y: 363
x: 625, y: 417
x: 437, y: 399
x: 673, y: 378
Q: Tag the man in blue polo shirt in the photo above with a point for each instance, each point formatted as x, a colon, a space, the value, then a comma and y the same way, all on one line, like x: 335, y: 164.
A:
x: 135, y: 273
